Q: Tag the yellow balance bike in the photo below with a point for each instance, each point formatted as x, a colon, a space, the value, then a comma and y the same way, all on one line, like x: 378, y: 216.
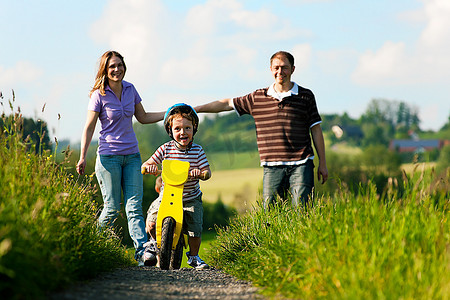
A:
x: 169, y: 222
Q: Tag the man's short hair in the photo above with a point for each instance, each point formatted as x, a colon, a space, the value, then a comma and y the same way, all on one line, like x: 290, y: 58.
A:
x: 289, y: 57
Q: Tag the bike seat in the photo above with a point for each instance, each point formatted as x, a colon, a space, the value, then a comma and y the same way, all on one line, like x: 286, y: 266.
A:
x: 175, y: 172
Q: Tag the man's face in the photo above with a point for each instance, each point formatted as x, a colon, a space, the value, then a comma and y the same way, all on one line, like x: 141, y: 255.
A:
x: 281, y: 70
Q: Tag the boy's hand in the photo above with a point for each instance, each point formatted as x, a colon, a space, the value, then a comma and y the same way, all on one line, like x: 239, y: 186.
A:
x: 196, y: 173
x: 147, y: 168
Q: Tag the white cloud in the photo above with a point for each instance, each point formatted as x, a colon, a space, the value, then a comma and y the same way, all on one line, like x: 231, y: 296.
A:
x: 183, y: 71
x: 204, y: 19
x: 297, y: 2
x: 425, y: 61
x: 302, y: 54
x: 336, y: 62
x: 437, y: 32
x: 219, y: 31
x: 133, y: 28
x: 254, y: 19
x: 22, y: 72
x: 383, y: 66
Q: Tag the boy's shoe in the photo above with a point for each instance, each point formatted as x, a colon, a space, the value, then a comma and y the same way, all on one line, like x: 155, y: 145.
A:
x: 196, y: 262
x: 149, y: 257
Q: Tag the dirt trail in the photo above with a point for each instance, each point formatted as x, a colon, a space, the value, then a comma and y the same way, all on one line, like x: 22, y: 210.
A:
x: 154, y: 283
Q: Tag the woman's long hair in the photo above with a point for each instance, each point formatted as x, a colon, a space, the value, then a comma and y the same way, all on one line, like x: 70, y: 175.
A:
x: 101, y: 80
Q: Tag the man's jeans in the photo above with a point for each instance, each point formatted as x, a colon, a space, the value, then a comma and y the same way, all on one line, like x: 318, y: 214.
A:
x: 294, y: 182
x: 117, y: 173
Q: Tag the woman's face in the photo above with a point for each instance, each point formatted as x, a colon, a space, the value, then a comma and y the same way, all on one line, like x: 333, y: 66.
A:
x: 116, y: 69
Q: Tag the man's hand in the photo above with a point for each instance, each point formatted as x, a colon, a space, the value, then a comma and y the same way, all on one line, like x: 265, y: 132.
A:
x: 322, y: 173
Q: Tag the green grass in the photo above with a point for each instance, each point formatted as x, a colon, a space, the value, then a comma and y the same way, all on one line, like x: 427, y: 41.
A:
x: 48, y: 231
x: 347, y: 246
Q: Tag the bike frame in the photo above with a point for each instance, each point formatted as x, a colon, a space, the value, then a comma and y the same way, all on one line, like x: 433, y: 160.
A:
x: 174, y: 174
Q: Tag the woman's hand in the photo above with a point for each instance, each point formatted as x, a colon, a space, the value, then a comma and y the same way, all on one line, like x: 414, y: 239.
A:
x: 81, y: 165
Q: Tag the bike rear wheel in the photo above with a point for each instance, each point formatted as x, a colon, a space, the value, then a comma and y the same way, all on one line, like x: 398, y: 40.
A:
x: 167, y: 231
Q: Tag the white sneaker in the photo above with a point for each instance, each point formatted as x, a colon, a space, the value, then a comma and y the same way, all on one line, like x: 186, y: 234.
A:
x: 196, y: 262
x: 149, y: 256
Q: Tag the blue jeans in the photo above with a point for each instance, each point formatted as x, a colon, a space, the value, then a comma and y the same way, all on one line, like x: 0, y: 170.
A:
x: 295, y: 182
x: 117, y: 173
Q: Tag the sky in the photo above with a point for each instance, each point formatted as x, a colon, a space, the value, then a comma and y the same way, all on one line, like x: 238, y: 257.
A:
x: 347, y: 52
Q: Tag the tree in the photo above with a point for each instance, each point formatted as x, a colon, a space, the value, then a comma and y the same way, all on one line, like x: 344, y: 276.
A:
x: 391, y: 117
x: 34, y: 133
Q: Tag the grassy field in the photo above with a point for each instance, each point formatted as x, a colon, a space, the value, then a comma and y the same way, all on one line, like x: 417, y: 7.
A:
x: 238, y: 188
x: 411, y: 168
x: 347, y: 246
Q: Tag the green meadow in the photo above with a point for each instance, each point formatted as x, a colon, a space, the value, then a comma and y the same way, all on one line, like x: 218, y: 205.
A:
x: 357, y: 241
x: 348, y: 246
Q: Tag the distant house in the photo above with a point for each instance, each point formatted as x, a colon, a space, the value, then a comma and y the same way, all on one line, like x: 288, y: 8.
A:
x: 347, y: 131
x: 417, y: 145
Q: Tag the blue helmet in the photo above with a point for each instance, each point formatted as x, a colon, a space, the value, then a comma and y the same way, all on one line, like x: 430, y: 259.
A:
x: 182, y: 108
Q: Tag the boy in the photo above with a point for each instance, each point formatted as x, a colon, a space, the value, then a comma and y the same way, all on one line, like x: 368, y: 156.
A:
x: 181, y: 123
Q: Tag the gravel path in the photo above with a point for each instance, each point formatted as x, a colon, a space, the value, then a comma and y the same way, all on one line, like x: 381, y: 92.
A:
x: 154, y: 283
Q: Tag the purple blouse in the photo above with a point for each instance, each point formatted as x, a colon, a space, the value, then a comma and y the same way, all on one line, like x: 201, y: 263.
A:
x: 116, y: 118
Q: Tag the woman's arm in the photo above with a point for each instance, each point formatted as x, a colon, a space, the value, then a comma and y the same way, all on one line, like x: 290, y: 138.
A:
x: 146, y: 117
x: 86, y: 138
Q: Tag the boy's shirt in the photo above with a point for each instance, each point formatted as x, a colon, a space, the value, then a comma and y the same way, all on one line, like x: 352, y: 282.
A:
x: 195, y: 156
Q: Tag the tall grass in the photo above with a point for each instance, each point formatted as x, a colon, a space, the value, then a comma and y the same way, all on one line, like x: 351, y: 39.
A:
x: 48, y: 231
x: 348, y: 246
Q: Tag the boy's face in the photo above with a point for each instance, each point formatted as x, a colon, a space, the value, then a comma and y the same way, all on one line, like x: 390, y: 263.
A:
x: 182, y: 131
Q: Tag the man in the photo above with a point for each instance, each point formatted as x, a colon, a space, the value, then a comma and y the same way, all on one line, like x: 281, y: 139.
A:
x: 285, y: 114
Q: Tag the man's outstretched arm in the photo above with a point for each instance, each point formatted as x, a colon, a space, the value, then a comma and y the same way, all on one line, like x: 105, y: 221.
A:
x: 215, y: 106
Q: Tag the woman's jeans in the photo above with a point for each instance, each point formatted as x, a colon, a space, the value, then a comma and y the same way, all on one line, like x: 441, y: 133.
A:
x: 117, y: 173
x: 294, y: 182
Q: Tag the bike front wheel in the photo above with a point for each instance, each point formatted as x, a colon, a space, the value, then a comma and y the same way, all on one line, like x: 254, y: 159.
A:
x: 167, y: 231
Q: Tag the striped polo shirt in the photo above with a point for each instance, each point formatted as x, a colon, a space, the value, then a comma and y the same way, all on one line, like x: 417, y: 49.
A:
x: 195, y: 156
x: 282, y: 126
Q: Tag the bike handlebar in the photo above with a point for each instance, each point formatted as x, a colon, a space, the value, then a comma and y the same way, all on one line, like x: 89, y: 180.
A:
x: 204, y: 175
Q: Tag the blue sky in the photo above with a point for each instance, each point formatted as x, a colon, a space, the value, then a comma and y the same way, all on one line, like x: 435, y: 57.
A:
x: 347, y: 51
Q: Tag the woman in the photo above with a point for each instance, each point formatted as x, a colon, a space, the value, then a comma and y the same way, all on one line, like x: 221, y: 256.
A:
x: 114, y: 101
